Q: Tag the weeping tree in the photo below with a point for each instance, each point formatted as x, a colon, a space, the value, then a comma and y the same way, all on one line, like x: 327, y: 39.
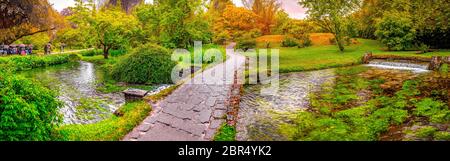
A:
x: 20, y: 18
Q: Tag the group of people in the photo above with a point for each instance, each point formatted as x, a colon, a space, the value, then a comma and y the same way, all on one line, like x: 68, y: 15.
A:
x: 23, y: 49
x: 16, y: 49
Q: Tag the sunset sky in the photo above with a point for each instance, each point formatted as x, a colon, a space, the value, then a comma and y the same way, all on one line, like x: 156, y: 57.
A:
x: 290, y: 6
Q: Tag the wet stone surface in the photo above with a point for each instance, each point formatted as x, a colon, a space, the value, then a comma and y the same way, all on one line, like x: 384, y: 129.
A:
x: 193, y: 112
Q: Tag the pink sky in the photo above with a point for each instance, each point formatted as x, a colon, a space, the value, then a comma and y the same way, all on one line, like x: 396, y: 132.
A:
x: 290, y: 6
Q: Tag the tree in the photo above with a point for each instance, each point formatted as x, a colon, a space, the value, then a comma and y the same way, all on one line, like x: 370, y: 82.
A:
x: 236, y: 22
x: 175, y: 23
x: 126, y: 5
x: 22, y: 18
x: 282, y: 19
x: 114, y: 29
x: 216, y: 7
x: 266, y: 10
x: 332, y: 16
x: 396, y: 31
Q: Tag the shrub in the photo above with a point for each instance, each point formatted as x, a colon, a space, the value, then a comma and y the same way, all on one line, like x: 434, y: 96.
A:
x: 146, y: 64
x: 28, y: 111
x: 91, y: 52
x: 74, y: 57
x: 118, y: 52
x: 395, y: 31
x: 289, y: 42
x: 442, y: 135
x: 20, y: 63
x: 246, y: 44
x: 305, y: 43
x: 436, y: 111
x: 426, y: 132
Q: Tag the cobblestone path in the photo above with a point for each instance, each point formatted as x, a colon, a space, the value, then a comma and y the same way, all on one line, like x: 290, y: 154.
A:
x: 194, y: 111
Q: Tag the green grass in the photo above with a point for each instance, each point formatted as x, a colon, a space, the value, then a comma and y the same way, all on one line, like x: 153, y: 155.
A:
x: 226, y: 133
x: 111, y: 129
x: 321, y: 57
x: 23, y: 63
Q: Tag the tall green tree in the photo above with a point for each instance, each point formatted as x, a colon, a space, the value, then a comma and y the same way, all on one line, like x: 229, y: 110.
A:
x: 175, y: 23
x: 114, y: 29
x: 332, y: 16
x: 396, y: 31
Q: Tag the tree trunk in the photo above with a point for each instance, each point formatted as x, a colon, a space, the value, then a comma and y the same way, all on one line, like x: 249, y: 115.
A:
x: 339, y: 43
x: 105, y: 52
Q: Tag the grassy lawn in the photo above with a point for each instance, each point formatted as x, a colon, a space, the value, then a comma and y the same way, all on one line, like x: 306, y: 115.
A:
x: 111, y: 129
x: 328, y: 56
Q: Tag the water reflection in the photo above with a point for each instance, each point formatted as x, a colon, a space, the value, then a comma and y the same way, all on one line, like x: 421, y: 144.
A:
x: 76, y: 85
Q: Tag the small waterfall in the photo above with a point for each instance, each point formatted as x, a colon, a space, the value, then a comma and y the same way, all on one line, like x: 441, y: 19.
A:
x: 414, y: 67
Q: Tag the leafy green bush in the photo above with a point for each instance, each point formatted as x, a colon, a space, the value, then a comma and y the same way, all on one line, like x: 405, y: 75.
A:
x: 28, y: 111
x: 306, y: 42
x: 246, y: 44
x: 396, y: 31
x: 74, y: 57
x: 118, y: 52
x: 20, y: 63
x: 91, y: 52
x: 442, y: 135
x: 425, y: 132
x: 146, y: 64
x: 437, y: 111
x: 289, y: 42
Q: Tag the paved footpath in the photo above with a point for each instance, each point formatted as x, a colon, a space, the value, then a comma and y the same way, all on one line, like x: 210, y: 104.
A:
x: 194, y: 111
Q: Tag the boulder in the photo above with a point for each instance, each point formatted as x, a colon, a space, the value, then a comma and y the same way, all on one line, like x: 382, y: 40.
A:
x: 134, y: 94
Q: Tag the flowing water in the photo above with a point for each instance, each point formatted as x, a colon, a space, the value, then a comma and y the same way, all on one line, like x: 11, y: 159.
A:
x: 76, y: 85
x: 414, y: 67
x: 260, y: 115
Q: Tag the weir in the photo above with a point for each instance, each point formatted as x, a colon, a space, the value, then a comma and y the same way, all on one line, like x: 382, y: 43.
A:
x: 415, y: 63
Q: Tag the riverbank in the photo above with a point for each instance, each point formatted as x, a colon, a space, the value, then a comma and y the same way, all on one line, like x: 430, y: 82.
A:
x: 360, y: 104
x: 328, y: 56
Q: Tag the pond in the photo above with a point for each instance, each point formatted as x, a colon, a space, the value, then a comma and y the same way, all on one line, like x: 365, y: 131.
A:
x: 261, y: 115
x: 76, y: 85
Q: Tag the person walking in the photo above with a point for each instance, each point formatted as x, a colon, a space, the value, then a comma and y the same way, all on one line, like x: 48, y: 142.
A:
x: 48, y: 48
x: 1, y: 50
x: 30, y: 49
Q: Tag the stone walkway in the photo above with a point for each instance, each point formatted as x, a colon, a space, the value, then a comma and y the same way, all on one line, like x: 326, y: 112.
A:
x: 194, y: 111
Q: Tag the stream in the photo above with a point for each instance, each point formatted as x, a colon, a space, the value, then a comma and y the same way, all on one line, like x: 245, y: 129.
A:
x: 76, y: 85
x: 260, y: 115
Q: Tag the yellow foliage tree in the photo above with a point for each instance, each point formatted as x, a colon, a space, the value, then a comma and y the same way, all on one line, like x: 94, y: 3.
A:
x: 234, y: 23
x: 27, y: 17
